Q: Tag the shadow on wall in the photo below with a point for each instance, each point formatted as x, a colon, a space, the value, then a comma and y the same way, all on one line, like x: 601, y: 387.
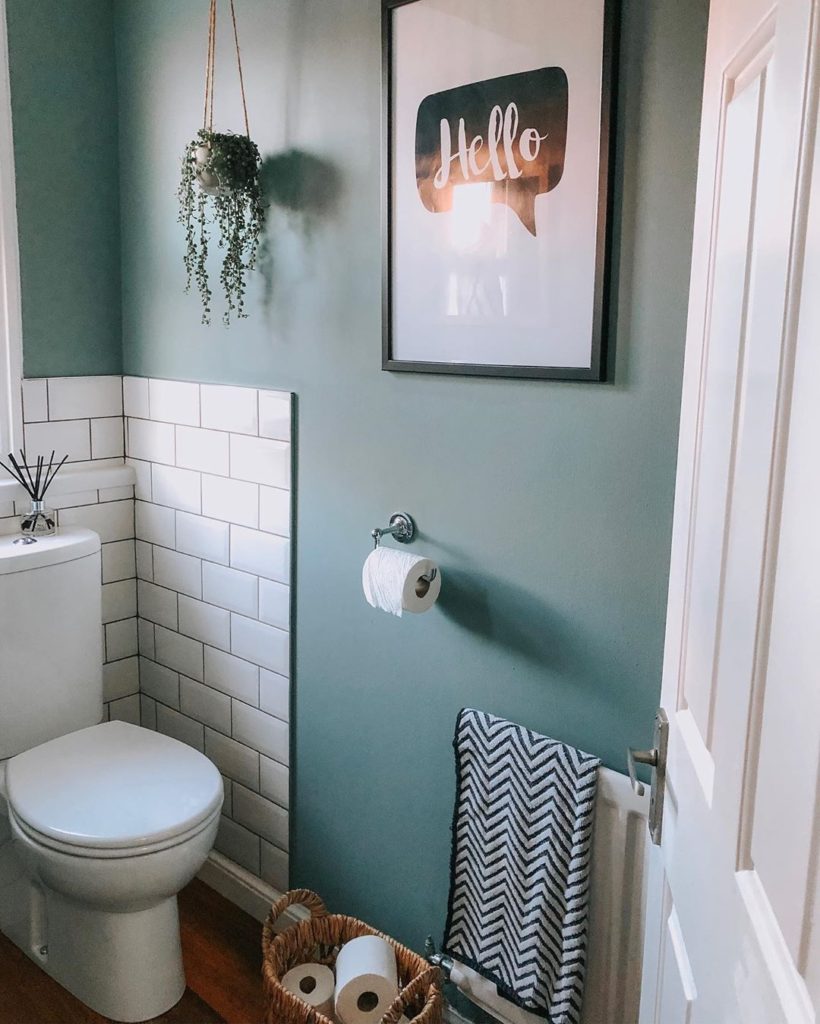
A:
x: 306, y: 189
x: 301, y: 183
x: 514, y: 618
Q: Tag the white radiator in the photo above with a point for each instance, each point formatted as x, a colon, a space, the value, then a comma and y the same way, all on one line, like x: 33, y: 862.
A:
x: 616, y: 914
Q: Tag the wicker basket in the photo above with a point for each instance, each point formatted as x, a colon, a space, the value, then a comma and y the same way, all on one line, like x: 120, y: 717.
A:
x: 319, y: 940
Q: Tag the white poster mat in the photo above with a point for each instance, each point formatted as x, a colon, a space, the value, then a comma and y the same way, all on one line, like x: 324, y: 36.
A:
x: 511, y: 298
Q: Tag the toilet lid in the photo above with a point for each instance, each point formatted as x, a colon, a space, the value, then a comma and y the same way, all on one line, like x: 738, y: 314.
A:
x: 111, y: 786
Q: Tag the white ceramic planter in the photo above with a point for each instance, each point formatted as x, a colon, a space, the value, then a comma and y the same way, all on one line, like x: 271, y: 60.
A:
x: 208, y: 181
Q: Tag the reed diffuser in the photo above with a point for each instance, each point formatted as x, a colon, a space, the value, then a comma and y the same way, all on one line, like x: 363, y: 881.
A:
x: 39, y: 521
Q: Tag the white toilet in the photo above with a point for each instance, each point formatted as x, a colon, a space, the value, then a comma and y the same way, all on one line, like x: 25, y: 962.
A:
x: 100, y: 825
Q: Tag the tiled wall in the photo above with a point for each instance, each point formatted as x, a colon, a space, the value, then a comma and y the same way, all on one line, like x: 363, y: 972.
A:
x: 82, y: 416
x: 208, y: 575
x: 213, y: 513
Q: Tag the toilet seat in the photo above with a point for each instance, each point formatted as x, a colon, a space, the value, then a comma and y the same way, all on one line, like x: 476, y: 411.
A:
x: 111, y: 853
x: 112, y: 790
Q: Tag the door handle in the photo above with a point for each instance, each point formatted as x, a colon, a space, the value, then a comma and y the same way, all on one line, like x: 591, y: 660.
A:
x: 656, y: 759
x: 634, y: 757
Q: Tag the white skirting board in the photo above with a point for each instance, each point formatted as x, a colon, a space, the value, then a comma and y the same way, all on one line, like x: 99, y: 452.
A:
x: 247, y: 891
x: 452, y: 1016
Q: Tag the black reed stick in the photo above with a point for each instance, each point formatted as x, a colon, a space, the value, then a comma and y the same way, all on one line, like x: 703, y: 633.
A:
x: 24, y: 464
x: 56, y: 470
x: 37, y: 483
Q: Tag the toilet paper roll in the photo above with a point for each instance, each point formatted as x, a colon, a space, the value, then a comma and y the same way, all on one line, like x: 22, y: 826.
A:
x: 367, y: 980
x: 314, y: 984
x: 392, y: 580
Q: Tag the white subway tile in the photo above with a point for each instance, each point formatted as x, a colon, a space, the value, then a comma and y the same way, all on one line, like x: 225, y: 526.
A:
x: 135, y: 397
x: 73, y: 500
x: 232, y: 759
x: 121, y: 640
x: 99, y: 464
x: 262, y: 732
x: 116, y: 493
x: 157, y: 604
x: 233, y: 501
x: 261, y: 460
x: 145, y: 637
x: 142, y: 488
x: 263, y: 554
x: 112, y: 521
x: 159, y: 682
x: 205, y: 622
x: 180, y: 727
x: 231, y: 589
x: 145, y: 561
x: 67, y: 437
x: 120, y: 679
x: 205, y: 538
x: 274, y: 415
x: 274, y: 510
x: 263, y: 645
x: 148, y: 712
x: 204, y: 450
x: 274, y: 603
x: 205, y: 705
x: 275, y: 867
x: 238, y: 844
x: 274, y: 781
x: 227, y: 795
x: 177, y: 488
x: 231, y: 675
x: 179, y: 653
x: 182, y: 573
x: 174, y: 401
x: 35, y: 400
x: 107, y: 441
x: 75, y: 397
x: 155, y: 524
x: 274, y: 694
x: 118, y: 561
x: 153, y: 442
x: 119, y: 601
x: 263, y: 816
x: 7, y: 509
x: 127, y: 709
x: 229, y: 408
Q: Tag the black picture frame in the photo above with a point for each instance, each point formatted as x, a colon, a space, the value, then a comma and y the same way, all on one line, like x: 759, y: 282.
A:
x: 599, y: 368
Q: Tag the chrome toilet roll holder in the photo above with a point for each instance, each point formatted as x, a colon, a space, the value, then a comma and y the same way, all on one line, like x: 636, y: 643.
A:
x: 402, y: 528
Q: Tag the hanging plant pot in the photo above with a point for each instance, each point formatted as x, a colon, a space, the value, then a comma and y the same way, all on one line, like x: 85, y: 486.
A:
x: 208, y: 180
x: 220, y: 185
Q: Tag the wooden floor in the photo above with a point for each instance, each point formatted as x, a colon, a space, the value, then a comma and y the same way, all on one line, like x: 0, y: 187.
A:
x: 221, y: 946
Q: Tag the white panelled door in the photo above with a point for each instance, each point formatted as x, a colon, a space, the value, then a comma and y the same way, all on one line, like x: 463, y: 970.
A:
x: 733, y: 931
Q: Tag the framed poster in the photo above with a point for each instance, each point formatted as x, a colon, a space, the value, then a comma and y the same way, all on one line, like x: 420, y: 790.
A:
x: 497, y: 137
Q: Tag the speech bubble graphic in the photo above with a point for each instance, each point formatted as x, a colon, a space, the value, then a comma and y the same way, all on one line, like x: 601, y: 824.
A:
x: 510, y: 131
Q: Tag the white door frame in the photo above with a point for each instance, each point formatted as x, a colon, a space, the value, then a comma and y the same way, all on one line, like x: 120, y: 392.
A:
x: 11, y: 318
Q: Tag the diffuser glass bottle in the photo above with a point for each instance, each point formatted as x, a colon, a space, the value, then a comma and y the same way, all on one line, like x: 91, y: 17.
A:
x: 39, y: 521
x: 35, y: 477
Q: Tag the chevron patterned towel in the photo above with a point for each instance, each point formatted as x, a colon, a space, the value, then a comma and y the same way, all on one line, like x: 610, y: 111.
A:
x: 522, y: 836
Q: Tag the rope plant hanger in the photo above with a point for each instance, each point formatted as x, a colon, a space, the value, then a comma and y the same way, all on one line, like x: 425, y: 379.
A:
x: 220, y: 185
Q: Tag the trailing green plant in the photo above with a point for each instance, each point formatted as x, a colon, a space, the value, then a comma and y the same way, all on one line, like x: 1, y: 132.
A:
x: 220, y: 184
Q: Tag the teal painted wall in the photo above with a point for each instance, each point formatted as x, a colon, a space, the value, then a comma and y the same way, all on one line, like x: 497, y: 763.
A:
x: 64, y: 107
x: 548, y: 505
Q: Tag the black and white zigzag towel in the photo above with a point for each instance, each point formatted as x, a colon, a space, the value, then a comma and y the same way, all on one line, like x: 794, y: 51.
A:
x: 522, y: 837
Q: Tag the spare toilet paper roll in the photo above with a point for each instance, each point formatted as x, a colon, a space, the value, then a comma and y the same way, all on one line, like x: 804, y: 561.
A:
x: 367, y: 980
x: 314, y: 984
x: 393, y: 581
